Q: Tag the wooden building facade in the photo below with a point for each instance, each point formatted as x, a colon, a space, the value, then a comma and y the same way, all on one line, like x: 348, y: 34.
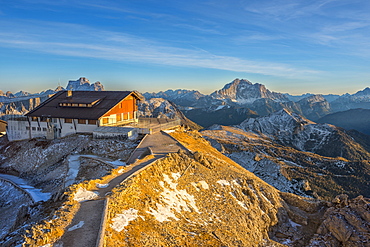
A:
x: 70, y: 112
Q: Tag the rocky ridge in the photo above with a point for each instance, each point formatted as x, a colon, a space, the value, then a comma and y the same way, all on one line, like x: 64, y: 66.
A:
x: 161, y: 108
x: 291, y: 170
x: 360, y: 99
x: 45, y: 165
x: 314, y: 107
x: 193, y: 198
x: 203, y: 198
x: 290, y: 129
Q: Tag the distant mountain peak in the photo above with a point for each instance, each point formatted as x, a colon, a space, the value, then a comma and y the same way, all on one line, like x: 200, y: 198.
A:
x: 83, y: 84
x: 365, y: 92
x: 243, y: 91
x: 313, y: 98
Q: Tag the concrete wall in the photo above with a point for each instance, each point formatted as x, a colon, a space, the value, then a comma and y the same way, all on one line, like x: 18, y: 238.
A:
x: 16, y: 130
x: 75, y: 127
x: 126, y: 133
x: 23, y: 129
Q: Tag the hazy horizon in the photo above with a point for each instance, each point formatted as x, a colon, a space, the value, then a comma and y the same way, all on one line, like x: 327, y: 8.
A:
x: 156, y: 91
x: 289, y: 46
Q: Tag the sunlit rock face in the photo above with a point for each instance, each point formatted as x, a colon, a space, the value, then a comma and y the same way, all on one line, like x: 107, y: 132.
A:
x: 205, y: 199
x: 245, y: 92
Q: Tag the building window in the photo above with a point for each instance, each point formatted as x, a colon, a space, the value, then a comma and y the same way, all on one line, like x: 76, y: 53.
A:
x: 81, y: 121
x: 38, y: 128
x: 68, y: 120
x: 105, y: 120
x: 119, y: 117
x: 91, y: 121
x: 33, y: 128
x: 27, y: 128
x: 44, y: 129
x: 34, y: 118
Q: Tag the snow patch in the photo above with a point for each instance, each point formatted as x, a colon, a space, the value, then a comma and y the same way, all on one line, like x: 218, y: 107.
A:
x: 204, y: 185
x: 195, y: 185
x: 201, y: 183
x: 36, y: 194
x: 85, y: 195
x: 79, y: 225
x: 264, y: 197
x: 118, y: 163
x: 173, y: 200
x: 176, y: 175
x: 293, y: 224
x: 223, y: 182
x: 100, y: 186
x: 74, y: 166
x: 220, y: 107
x: 236, y: 183
x: 240, y: 203
x: 169, y: 131
x: 122, y: 220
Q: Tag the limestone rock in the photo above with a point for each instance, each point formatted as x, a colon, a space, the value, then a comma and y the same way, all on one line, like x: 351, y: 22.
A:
x: 346, y: 223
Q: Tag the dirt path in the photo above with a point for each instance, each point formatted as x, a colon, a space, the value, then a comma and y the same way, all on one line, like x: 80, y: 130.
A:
x: 85, y: 227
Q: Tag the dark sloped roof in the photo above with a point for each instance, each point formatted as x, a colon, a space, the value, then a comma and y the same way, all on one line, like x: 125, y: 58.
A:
x: 106, y: 100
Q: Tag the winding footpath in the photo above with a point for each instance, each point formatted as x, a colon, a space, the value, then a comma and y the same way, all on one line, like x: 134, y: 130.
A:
x: 85, y: 227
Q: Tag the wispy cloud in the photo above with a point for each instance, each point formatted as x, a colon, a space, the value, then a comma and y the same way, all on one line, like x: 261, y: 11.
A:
x: 287, y: 9
x: 82, y: 41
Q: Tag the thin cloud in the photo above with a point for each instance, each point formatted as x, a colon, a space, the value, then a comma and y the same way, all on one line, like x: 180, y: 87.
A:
x: 83, y: 41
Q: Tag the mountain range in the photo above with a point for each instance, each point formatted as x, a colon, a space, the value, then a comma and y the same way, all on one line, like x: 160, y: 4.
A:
x: 241, y: 98
x: 236, y: 101
x: 273, y: 177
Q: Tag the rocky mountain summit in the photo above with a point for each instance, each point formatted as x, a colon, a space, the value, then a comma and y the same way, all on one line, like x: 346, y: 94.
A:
x: 83, y: 84
x: 180, y: 97
x: 245, y: 92
x: 314, y: 106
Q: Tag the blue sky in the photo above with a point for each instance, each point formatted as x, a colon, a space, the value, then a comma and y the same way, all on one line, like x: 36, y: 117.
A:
x: 295, y: 46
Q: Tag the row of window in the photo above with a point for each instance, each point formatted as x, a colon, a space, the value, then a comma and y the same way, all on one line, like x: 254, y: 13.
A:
x: 66, y: 120
x: 80, y: 121
x: 42, y: 119
x: 36, y: 128
x: 75, y: 105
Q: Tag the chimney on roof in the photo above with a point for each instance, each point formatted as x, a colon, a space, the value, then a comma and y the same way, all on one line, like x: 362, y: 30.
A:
x: 69, y: 94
